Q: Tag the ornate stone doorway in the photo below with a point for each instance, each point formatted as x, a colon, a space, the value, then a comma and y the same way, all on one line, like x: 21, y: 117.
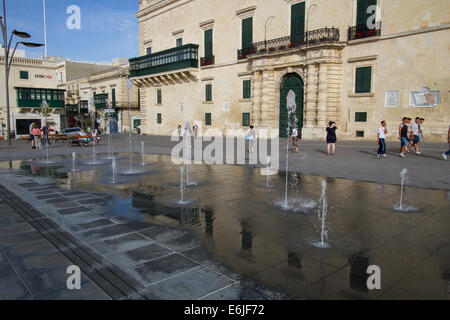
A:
x: 294, y: 82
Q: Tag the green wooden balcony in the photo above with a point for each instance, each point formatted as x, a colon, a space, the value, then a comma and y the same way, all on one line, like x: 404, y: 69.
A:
x: 173, y: 59
x: 33, y: 97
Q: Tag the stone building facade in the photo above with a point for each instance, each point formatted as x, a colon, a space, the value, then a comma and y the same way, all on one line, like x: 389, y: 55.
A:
x: 229, y: 64
x: 31, y: 81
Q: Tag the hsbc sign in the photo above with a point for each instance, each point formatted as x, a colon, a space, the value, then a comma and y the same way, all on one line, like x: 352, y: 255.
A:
x: 43, y: 76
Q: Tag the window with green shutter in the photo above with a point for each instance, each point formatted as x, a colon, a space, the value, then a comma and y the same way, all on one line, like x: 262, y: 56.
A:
x: 247, y: 33
x: 113, y: 97
x: 158, y: 96
x: 247, y: 89
x: 208, y: 92
x: 158, y: 118
x: 297, y: 22
x: 139, y: 98
x: 208, y: 43
x: 360, y: 116
x: 24, y: 75
x: 208, y: 119
x: 246, y: 119
x: 361, y: 12
x: 363, y: 79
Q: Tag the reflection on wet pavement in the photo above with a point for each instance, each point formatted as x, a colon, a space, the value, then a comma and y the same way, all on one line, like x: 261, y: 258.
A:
x: 237, y: 219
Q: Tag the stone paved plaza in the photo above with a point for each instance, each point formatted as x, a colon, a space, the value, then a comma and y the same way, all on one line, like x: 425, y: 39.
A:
x: 231, y: 239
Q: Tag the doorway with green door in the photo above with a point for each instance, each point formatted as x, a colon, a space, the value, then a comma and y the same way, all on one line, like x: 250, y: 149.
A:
x: 294, y: 82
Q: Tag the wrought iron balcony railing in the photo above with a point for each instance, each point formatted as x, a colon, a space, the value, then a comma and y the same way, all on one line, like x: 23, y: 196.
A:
x: 324, y: 35
x: 182, y: 57
x: 206, y: 61
x: 362, y: 31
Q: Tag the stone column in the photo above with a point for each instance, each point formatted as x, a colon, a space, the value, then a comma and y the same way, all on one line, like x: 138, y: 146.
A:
x: 256, y: 101
x: 268, y: 99
x: 322, y: 96
x: 311, y: 96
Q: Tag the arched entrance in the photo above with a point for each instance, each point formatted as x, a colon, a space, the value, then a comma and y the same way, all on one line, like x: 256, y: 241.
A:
x: 291, y: 81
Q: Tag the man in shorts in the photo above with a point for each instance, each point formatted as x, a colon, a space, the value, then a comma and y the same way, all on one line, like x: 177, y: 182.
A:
x: 403, y: 136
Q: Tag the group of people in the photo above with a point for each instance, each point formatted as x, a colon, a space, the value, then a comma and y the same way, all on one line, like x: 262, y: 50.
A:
x: 410, y: 135
x: 39, y: 136
x: 187, y: 128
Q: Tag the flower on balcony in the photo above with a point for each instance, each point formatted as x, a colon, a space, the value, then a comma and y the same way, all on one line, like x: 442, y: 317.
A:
x: 241, y: 56
x: 271, y: 49
x: 262, y: 50
x: 292, y: 44
x: 281, y: 47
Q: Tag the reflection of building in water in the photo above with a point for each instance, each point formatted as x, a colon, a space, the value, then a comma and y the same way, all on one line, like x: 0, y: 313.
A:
x: 294, y: 260
x: 358, y: 273
x: 148, y: 203
x: 247, y: 238
x: 44, y: 171
x: 209, y: 220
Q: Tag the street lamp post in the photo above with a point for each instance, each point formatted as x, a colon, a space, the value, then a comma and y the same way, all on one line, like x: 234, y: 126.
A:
x: 9, y: 60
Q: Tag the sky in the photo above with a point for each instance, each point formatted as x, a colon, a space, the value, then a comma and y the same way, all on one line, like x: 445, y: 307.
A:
x: 108, y: 28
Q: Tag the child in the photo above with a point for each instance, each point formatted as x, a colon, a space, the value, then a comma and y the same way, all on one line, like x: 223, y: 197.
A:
x: 331, y: 137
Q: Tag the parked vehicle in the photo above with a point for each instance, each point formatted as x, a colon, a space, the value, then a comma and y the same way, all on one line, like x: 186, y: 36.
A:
x: 71, y: 131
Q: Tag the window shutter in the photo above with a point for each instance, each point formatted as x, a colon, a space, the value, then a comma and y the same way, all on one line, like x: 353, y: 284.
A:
x: 247, y: 33
x: 298, y: 22
x: 246, y: 89
x: 246, y: 119
x: 363, y: 79
x: 158, y: 96
x: 24, y: 75
x: 139, y: 98
x: 208, y: 93
x: 113, y: 95
x: 208, y: 43
x: 361, y: 12
x: 208, y: 119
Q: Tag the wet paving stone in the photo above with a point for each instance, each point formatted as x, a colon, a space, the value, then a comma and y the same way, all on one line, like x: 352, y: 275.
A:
x: 62, y: 205
x: 49, y: 196
x: 93, y: 201
x: 60, y: 199
x: 73, y: 210
x: 82, y: 227
x: 127, y: 259
x: 160, y: 269
x: 197, y: 283
x: 106, y: 232
x: 120, y: 243
x: 16, y: 289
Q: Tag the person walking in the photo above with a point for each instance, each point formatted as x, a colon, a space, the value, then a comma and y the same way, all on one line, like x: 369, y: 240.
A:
x: 195, y: 130
x: 381, y: 139
x: 30, y: 130
x: 37, y: 136
x: 403, y: 136
x: 447, y: 154
x: 251, y: 136
x: 415, y: 132
x: 331, y: 137
x: 45, y: 132
x: 294, y: 138
x: 420, y: 129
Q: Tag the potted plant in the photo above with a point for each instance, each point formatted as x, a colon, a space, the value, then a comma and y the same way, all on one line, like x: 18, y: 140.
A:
x: 292, y: 44
x: 281, y: 47
x: 271, y: 49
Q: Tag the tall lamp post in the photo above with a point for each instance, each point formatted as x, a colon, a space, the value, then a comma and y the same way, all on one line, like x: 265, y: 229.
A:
x: 9, y: 60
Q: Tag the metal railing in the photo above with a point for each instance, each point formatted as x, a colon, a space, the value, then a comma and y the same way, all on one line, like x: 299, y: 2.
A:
x: 361, y: 32
x: 324, y: 35
x: 206, y: 61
